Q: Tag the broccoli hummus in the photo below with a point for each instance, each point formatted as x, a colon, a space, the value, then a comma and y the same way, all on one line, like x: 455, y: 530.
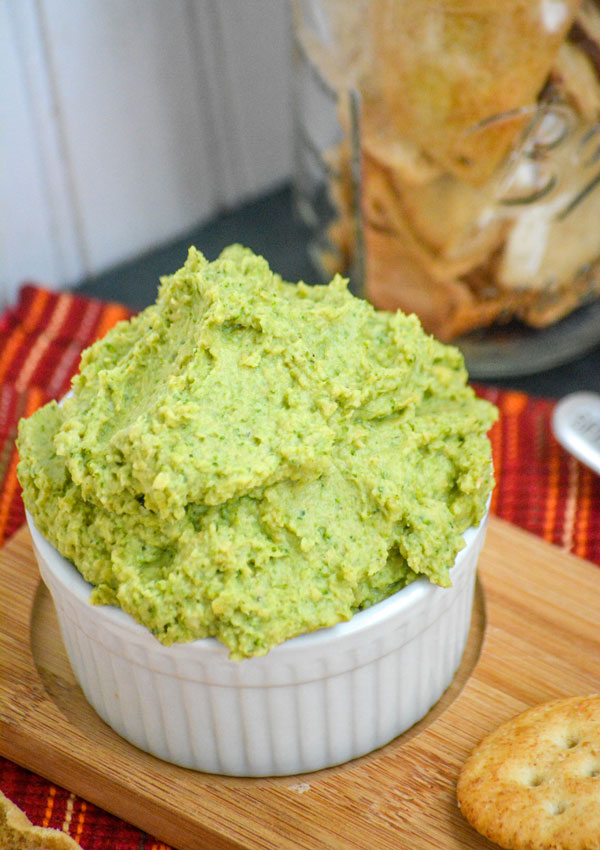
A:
x: 251, y: 459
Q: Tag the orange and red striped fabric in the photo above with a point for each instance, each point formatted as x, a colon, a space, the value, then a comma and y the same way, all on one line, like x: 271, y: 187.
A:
x: 41, y: 340
x: 539, y: 487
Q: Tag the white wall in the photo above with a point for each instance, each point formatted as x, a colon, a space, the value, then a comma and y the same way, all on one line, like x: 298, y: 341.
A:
x: 124, y: 123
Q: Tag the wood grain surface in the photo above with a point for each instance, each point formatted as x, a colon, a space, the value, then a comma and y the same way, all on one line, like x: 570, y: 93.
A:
x: 534, y: 637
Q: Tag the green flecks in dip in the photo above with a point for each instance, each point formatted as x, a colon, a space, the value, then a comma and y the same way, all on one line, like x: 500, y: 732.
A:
x: 251, y: 459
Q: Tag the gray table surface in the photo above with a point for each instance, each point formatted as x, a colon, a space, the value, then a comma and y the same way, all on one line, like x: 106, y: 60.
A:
x: 268, y: 226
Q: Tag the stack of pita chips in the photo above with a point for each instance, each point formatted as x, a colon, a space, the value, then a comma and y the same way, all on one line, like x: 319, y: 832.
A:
x: 479, y: 161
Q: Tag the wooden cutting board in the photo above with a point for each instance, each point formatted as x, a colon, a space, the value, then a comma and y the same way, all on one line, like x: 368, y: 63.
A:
x: 535, y: 636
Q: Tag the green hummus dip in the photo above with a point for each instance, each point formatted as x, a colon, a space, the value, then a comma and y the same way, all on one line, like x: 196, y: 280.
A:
x: 251, y: 459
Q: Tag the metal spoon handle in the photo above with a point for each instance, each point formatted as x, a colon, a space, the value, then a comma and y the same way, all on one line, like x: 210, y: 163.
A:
x: 576, y: 426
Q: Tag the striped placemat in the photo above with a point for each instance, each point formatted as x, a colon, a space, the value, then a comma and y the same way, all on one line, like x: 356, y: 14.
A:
x: 540, y: 488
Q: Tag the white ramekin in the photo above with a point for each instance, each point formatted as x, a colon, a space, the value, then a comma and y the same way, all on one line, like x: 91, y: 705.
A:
x: 315, y: 701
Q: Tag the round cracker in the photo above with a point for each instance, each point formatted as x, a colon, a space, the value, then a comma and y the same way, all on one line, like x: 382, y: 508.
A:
x: 534, y: 782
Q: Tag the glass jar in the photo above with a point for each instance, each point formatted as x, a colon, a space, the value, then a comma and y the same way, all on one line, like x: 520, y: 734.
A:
x: 448, y: 161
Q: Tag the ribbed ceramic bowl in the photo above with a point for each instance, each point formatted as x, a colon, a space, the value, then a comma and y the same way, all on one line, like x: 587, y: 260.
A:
x: 317, y: 700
